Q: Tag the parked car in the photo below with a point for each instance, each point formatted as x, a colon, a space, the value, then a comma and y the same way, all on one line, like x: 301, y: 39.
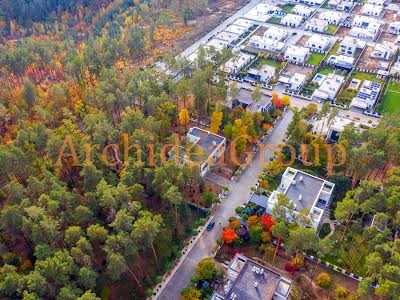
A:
x: 210, y: 226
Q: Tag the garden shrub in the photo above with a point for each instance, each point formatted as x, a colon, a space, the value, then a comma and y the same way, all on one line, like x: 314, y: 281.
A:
x: 323, y: 279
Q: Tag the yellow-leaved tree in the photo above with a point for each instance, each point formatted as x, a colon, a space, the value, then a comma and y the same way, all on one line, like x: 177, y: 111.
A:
x: 216, y: 120
x: 184, y: 117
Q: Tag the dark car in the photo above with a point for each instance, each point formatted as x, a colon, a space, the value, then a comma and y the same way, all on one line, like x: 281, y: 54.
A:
x: 210, y: 226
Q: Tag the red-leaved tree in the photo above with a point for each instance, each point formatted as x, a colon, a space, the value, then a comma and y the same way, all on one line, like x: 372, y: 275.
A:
x: 267, y: 222
x: 229, y: 235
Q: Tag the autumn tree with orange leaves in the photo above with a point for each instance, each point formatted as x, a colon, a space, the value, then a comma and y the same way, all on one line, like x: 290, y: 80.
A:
x: 229, y: 235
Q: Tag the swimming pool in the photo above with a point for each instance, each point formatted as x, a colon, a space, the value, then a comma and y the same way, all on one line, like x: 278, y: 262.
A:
x: 319, y: 78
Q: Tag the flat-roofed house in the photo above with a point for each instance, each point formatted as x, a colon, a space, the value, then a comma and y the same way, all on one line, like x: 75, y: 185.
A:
x: 297, y: 81
x: 292, y: 20
x: 332, y: 17
x: 329, y: 88
x: 297, y: 54
x: 261, y: 12
x: 276, y: 34
x: 333, y: 129
x: 264, y: 74
x: 318, y: 42
x: 394, y: 27
x: 372, y: 10
x: 350, y: 45
x: 244, y: 99
x: 249, y: 280
x: 260, y: 42
x: 312, y: 2
x: 238, y: 62
x: 227, y: 36
x: 239, y: 30
x: 303, y: 10
x: 212, y: 145
x: 371, y: 27
x: 385, y: 51
x: 304, y: 191
x: 244, y: 23
x: 377, y: 2
x: 367, y: 95
x: 317, y: 25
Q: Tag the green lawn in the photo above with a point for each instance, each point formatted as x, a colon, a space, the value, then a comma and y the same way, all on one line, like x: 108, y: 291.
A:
x: 315, y: 59
x: 366, y: 76
x: 270, y: 62
x: 391, y: 100
x: 288, y: 8
x: 334, y: 49
x: 274, y: 20
x: 325, y: 4
x: 331, y: 29
x: 326, y: 70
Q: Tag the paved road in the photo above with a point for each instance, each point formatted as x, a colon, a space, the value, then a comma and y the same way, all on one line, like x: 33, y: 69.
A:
x: 239, y: 194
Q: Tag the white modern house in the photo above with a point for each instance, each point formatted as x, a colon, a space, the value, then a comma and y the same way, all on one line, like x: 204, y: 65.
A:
x: 372, y: 10
x: 342, y: 61
x: 302, y: 10
x: 377, y: 2
x: 365, y: 27
x: 244, y: 23
x: 318, y: 43
x: 259, y: 42
x: 332, y: 130
x: 211, y: 145
x: 342, y: 5
x: 227, y: 36
x: 276, y: 34
x: 261, y: 12
x: 238, y: 62
x: 367, y: 95
x: 331, y: 16
x: 239, y: 30
x: 264, y: 74
x: 362, y: 33
x: 297, y: 54
x: 304, y: 191
x: 394, y: 27
x: 317, y: 25
x: 292, y: 20
x: 350, y: 45
x: 297, y: 81
x: 384, y: 51
x: 329, y: 88
x: 311, y: 2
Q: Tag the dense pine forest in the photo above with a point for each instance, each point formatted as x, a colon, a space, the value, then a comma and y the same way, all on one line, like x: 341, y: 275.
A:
x: 82, y: 69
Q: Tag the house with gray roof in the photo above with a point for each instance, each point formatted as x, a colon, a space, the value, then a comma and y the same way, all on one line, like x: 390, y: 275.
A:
x: 305, y: 191
x: 248, y: 280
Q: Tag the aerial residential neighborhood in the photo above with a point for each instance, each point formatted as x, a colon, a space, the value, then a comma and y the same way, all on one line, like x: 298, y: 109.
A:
x: 205, y: 149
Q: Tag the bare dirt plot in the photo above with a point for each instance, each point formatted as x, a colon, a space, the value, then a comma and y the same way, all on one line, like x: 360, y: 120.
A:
x: 291, y: 69
x: 357, y: 10
x: 390, y: 16
x: 302, y: 41
x: 343, y: 31
x: 366, y: 61
x: 388, y: 37
x: 260, y: 31
x: 218, y: 10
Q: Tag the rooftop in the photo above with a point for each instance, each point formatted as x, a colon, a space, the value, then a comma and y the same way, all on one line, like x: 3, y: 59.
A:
x: 248, y: 280
x: 207, y: 140
x: 302, y: 189
x: 297, y: 51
